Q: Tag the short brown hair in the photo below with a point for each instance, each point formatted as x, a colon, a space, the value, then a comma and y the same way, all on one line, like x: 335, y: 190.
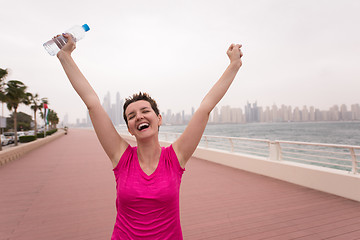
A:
x: 137, y: 97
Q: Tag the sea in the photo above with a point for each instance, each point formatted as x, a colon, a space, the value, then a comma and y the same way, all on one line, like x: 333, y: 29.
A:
x: 341, y: 133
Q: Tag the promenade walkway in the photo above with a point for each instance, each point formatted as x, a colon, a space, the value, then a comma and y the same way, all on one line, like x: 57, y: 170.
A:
x: 66, y: 190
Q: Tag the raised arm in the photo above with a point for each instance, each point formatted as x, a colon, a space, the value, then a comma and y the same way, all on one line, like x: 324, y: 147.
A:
x: 109, y: 138
x: 186, y: 144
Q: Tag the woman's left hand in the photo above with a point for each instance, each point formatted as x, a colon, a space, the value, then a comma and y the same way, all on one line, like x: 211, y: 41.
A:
x: 69, y: 47
x: 234, y: 53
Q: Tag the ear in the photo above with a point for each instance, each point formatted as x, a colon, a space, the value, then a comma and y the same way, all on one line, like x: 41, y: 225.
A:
x: 160, y: 120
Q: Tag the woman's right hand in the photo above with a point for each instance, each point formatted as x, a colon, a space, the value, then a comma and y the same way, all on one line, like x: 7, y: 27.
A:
x: 69, y: 47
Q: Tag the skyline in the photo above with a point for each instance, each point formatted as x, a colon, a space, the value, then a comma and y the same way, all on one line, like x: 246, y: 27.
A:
x: 113, y: 107
x: 295, y: 52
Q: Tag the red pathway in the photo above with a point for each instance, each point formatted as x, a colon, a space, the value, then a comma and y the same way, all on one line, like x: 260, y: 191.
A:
x: 66, y: 190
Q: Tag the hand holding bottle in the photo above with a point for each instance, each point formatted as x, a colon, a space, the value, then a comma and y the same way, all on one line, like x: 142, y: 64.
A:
x: 76, y: 33
x: 70, y: 45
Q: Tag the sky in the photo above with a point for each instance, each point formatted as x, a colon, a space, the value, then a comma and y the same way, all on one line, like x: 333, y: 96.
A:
x: 296, y: 52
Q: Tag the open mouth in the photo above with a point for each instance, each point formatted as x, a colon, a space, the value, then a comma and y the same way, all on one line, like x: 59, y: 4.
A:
x: 143, y: 126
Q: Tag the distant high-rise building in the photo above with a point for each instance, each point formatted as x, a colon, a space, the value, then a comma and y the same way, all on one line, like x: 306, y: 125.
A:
x: 289, y: 110
x: 236, y: 115
x: 113, y: 113
x: 334, y: 113
x: 215, y: 115
x: 297, y: 115
x: 304, y: 114
x: 255, y: 112
x: 345, y: 115
x: 318, y: 116
x: 225, y: 114
x: 168, y: 116
x: 325, y: 116
x: 252, y: 112
x: 355, y: 112
x: 267, y: 115
x: 312, y: 114
x: 248, y: 113
x: 119, y: 109
x: 107, y: 103
x: 274, y: 113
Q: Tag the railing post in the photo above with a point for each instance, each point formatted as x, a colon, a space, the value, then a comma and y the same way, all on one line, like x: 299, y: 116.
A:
x: 353, y: 158
x: 206, y: 142
x: 275, y: 151
x: 232, y: 145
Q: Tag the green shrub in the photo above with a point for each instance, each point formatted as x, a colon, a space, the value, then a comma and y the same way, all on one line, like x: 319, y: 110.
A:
x: 25, y: 139
x: 40, y: 135
x: 52, y: 131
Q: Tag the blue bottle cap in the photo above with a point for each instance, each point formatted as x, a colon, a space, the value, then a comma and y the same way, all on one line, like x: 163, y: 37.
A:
x: 86, y: 27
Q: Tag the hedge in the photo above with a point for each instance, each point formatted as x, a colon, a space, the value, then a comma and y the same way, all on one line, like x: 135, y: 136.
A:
x: 51, y: 131
x: 25, y: 139
x: 48, y: 133
x: 40, y: 135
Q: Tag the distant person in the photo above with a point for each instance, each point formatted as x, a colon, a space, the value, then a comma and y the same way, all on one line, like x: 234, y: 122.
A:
x: 147, y: 176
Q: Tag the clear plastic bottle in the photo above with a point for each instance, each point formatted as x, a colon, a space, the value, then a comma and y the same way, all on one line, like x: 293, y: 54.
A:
x: 54, y: 45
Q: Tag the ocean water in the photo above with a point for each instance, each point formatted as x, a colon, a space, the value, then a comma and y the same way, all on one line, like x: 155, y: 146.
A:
x: 347, y: 133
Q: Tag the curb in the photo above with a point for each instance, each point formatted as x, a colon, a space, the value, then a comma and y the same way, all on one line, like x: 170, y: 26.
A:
x: 13, y: 153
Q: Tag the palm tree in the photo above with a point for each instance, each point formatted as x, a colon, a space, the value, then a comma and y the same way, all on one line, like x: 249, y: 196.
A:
x: 35, y: 105
x: 14, y: 95
x: 53, y: 119
x: 3, y: 74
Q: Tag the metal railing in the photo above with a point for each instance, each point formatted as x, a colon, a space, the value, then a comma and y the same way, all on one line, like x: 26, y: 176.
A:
x: 336, y: 156
x: 342, y: 157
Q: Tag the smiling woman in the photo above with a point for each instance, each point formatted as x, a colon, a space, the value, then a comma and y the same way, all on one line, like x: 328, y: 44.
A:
x: 141, y: 117
x: 148, y: 176
x: 138, y: 97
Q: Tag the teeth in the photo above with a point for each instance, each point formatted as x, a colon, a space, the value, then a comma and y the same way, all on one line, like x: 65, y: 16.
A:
x: 143, y: 126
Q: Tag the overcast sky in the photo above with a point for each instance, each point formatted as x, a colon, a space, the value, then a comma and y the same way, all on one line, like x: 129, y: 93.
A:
x: 300, y: 52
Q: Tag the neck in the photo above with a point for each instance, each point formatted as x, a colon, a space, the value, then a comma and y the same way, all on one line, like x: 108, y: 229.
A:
x: 148, y: 151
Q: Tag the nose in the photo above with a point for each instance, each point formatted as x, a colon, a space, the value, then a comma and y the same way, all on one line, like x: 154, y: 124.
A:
x: 139, y: 116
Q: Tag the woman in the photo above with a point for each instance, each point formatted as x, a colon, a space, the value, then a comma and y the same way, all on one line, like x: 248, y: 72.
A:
x: 147, y: 176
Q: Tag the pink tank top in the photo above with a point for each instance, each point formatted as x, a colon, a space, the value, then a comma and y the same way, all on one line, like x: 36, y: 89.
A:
x: 148, y: 206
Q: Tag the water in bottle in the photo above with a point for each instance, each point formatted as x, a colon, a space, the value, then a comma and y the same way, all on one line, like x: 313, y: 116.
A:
x: 54, y: 45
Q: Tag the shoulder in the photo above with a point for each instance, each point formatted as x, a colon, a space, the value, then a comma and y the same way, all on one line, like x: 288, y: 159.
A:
x: 171, y: 157
x: 169, y: 152
x: 126, y: 157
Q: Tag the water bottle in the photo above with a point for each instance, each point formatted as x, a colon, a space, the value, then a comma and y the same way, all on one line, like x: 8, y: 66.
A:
x: 54, y: 45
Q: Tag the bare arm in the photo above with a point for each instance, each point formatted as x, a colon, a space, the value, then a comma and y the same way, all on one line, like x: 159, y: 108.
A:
x: 185, y: 146
x: 109, y: 138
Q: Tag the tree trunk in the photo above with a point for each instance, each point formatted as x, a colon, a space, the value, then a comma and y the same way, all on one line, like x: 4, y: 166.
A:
x: 35, y: 133
x: 15, y: 126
